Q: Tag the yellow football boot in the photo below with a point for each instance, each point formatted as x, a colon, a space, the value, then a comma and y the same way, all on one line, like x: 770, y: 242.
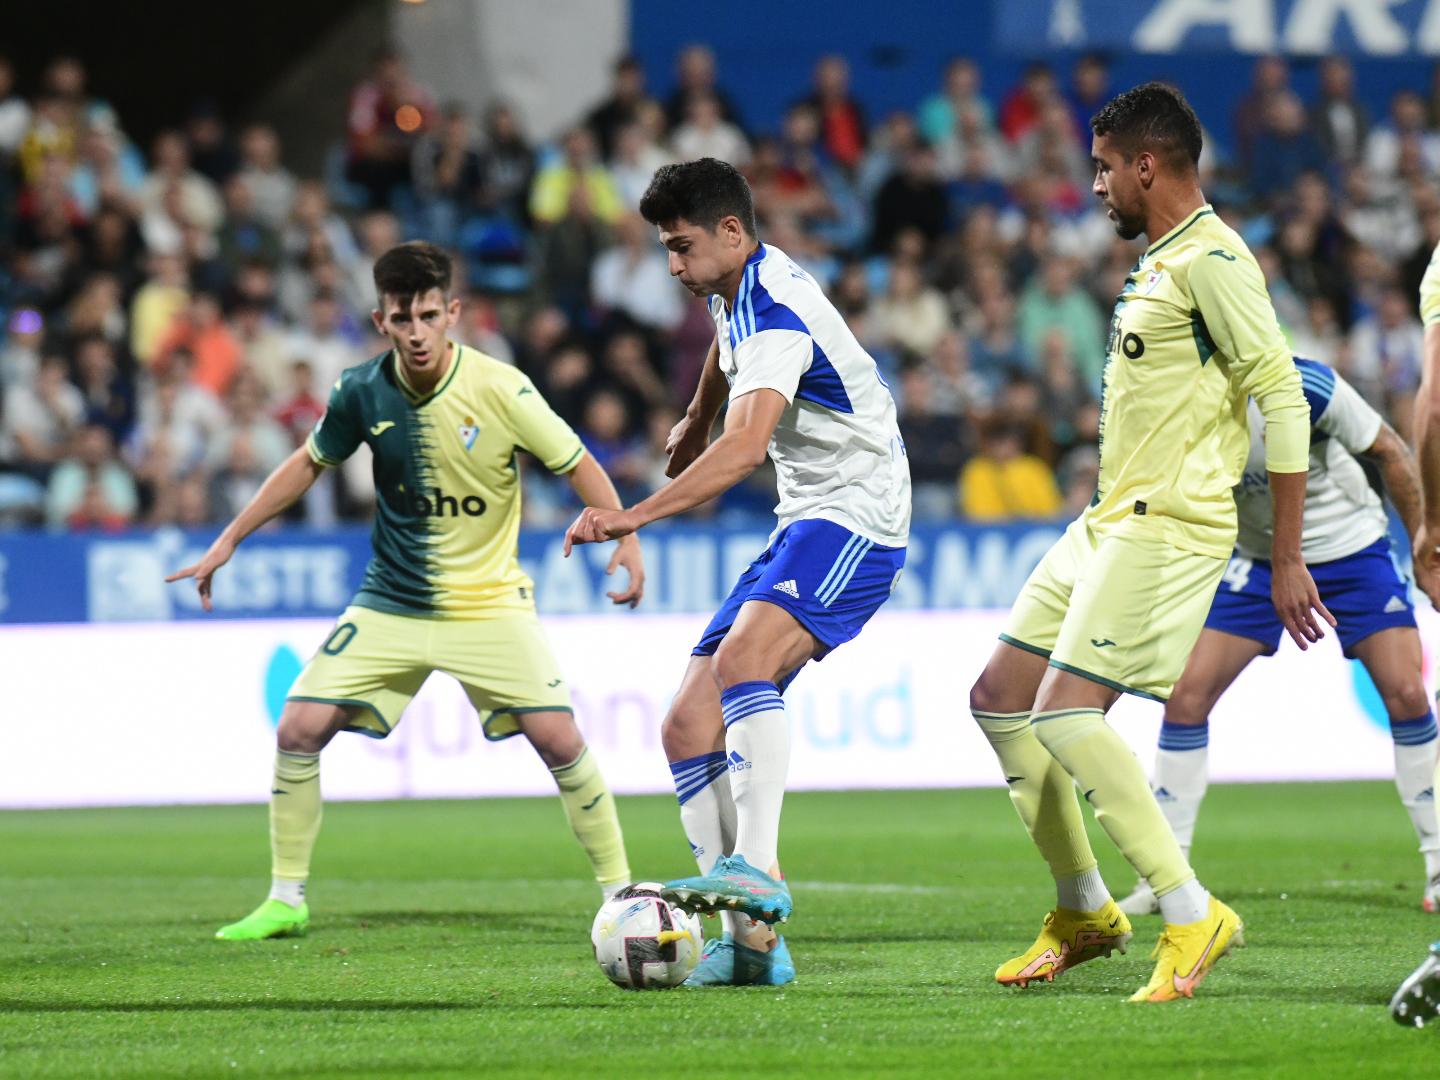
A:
x: 1186, y: 952
x: 1068, y: 938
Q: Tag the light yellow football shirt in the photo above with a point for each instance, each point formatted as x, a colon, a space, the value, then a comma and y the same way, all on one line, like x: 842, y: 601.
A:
x: 1192, y: 336
x: 1430, y: 290
x: 447, y: 482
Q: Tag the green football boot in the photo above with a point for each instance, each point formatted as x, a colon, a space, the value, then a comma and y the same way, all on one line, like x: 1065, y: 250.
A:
x: 273, y: 918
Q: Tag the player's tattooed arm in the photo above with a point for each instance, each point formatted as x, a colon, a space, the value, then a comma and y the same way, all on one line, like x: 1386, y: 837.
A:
x: 592, y: 483
x: 689, y: 438
x: 291, y: 479
x: 1401, y: 477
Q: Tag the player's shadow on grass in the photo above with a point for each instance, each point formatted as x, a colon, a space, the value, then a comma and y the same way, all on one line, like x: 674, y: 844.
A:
x: 268, y: 1005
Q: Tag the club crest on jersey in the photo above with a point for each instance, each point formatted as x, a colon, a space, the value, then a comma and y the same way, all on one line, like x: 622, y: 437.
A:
x: 1152, y: 280
x: 469, y: 432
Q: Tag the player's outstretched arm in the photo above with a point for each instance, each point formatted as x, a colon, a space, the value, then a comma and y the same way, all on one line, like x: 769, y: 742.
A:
x: 728, y: 460
x: 1401, y: 477
x: 592, y: 483
x: 689, y: 438
x: 1426, y: 540
x: 290, y: 480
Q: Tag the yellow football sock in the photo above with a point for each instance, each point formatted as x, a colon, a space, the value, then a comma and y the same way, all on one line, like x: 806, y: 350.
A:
x: 1115, y: 785
x: 295, y: 812
x: 590, y: 808
x: 1042, y: 791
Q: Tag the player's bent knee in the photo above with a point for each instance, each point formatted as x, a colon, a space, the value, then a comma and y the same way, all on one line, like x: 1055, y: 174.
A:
x: 306, y: 727
x: 554, y: 737
x: 1406, y: 702
x: 1186, y: 708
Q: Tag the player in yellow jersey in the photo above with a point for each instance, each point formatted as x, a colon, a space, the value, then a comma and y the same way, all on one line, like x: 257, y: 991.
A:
x: 1117, y: 603
x: 444, y: 591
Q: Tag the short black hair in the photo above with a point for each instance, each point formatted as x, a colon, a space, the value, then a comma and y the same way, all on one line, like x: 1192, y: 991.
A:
x: 702, y: 191
x: 410, y: 269
x: 1156, y: 117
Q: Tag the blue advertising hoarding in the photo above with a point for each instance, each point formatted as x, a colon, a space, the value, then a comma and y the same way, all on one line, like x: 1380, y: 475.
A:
x: 298, y: 574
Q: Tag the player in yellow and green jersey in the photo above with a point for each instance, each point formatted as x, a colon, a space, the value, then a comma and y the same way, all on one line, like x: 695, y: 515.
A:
x: 444, y: 591
x: 1118, y: 602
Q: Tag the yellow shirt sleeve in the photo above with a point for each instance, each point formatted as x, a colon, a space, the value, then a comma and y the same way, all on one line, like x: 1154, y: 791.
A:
x: 1430, y: 290
x: 1239, y: 319
x: 540, y: 430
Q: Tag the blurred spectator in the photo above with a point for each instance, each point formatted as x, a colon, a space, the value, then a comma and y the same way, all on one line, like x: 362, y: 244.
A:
x: 1003, y: 482
x: 1385, y: 146
x: 637, y: 157
x: 299, y: 408
x: 630, y: 374
x: 1079, y: 477
x: 911, y: 315
x: 267, y: 443
x: 1055, y: 301
x: 174, y: 195
x: 507, y: 166
x: 1022, y: 107
x: 889, y: 147
x: 109, y: 171
x: 91, y: 489
x: 312, y: 214
x: 201, y: 332
x: 1341, y: 124
x: 568, y: 381
x: 1089, y: 91
x: 447, y: 174
x: 632, y: 278
x: 621, y: 108
x: 479, y: 327
x: 959, y: 96
x: 842, y: 120
x: 211, y: 150
x: 387, y: 114
x: 695, y: 77
x: 705, y: 133
x: 245, y: 236
x: 378, y: 231
x: 1387, y: 349
x: 1064, y: 394
x: 264, y: 345
x: 321, y: 343
x: 605, y: 430
x: 1271, y: 76
x: 934, y: 446
x: 1285, y: 149
x: 575, y: 185
x: 157, y: 304
x: 14, y: 112
x: 972, y: 152
x: 176, y: 422
x: 956, y: 388
x: 913, y: 198
x: 20, y: 354
x: 272, y: 186
x: 41, y: 419
x: 109, y: 396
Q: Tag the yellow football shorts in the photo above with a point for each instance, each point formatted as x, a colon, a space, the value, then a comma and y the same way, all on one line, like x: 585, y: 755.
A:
x: 378, y: 661
x: 1123, y: 610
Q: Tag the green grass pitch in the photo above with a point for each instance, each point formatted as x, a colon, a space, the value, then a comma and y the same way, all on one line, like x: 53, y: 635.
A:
x: 451, y: 939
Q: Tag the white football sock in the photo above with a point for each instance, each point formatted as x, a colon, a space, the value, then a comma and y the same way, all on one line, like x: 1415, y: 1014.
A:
x: 1415, y: 772
x: 1182, y: 774
x: 707, y: 812
x: 287, y: 891
x: 1187, y: 904
x: 757, y: 744
x: 1083, y: 892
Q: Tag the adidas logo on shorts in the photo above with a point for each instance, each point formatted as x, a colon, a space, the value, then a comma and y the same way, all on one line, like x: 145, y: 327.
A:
x: 788, y: 588
x: 1393, y: 605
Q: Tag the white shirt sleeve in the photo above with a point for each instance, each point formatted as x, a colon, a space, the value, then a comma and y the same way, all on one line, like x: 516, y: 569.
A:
x: 1349, y: 418
x: 772, y: 360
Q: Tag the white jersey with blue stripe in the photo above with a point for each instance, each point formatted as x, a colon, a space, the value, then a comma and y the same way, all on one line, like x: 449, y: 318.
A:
x: 837, y: 449
x: 1343, y: 513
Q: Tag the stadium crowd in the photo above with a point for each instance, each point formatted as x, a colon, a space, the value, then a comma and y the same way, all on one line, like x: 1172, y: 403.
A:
x: 174, y: 315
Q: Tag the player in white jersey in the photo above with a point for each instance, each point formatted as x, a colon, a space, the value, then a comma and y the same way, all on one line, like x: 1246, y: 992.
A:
x: 1347, y: 549
x: 799, y: 386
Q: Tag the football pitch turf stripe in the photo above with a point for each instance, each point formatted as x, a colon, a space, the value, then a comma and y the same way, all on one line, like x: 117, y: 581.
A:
x: 451, y: 939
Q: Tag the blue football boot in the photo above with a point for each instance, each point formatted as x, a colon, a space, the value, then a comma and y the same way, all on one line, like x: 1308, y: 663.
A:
x: 725, y: 962
x: 732, y: 885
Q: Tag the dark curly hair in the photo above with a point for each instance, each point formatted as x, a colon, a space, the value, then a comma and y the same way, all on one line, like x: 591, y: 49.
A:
x: 411, y: 269
x: 702, y: 192
x: 1156, y: 117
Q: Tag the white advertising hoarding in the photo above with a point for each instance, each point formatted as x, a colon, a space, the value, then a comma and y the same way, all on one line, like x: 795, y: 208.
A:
x: 166, y: 713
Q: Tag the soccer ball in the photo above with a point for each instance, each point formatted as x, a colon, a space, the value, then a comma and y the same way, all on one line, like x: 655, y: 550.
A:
x: 643, y: 942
